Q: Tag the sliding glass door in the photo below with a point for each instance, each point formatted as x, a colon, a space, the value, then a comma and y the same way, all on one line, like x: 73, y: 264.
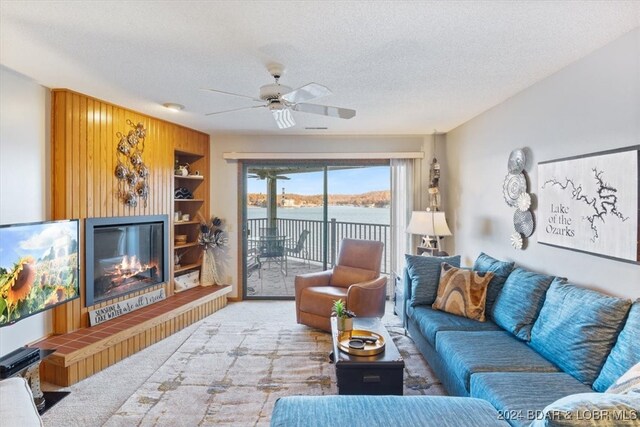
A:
x: 296, y: 215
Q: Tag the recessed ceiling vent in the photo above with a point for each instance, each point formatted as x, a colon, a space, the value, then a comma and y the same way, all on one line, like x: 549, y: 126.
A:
x: 317, y: 128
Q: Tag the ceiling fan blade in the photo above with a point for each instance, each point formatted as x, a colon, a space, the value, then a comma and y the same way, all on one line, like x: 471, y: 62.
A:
x: 233, y: 94
x: 325, y: 110
x: 283, y: 118
x: 306, y: 93
x: 235, y: 109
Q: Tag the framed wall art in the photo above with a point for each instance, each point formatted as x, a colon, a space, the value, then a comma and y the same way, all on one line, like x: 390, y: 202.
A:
x: 591, y: 203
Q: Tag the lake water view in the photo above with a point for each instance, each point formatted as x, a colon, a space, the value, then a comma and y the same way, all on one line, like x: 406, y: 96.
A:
x: 356, y: 214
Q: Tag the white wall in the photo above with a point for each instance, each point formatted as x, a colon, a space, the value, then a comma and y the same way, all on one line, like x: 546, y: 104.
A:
x: 224, y: 173
x: 24, y: 177
x: 589, y: 106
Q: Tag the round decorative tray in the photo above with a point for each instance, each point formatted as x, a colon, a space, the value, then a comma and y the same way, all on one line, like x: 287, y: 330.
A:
x: 369, y: 348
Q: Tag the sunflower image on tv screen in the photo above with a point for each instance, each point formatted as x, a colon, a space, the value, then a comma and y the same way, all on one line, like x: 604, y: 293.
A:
x: 38, y: 267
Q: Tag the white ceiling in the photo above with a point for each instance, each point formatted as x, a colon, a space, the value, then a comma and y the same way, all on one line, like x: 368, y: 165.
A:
x: 406, y: 67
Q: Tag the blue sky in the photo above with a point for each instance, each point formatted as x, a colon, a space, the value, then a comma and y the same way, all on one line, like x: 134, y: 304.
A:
x: 32, y: 239
x: 344, y: 181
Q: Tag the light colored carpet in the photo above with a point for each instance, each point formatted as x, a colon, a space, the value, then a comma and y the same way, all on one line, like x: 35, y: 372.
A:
x: 227, y: 369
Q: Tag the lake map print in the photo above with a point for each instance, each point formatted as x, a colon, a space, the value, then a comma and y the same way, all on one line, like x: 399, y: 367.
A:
x: 590, y: 203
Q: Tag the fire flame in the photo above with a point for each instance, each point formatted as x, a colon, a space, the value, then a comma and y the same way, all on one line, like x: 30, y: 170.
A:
x: 129, y: 267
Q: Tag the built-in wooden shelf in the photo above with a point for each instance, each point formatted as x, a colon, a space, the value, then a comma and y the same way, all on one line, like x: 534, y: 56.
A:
x: 196, y: 177
x: 186, y: 222
x: 82, y: 353
x: 188, y: 200
x: 186, y: 245
x: 188, y: 267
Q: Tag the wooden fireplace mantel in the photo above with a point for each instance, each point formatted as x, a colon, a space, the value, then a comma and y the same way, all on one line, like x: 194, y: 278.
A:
x: 83, y: 160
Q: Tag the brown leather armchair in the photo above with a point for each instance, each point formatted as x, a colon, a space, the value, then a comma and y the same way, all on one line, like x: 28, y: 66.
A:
x: 355, y: 279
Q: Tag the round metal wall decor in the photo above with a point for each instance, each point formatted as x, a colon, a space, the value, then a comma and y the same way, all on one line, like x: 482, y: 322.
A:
x: 132, y: 180
x: 513, y: 186
x: 524, y: 201
x: 516, y: 240
x: 517, y: 161
x: 523, y: 222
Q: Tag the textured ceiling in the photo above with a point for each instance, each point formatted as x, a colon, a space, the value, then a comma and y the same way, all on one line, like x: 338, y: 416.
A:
x: 406, y: 67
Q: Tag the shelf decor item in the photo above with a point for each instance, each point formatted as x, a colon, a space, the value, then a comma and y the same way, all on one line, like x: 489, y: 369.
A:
x: 211, y: 237
x: 131, y: 172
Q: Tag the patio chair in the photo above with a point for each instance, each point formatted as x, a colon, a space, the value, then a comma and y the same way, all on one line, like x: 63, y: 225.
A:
x: 272, y: 249
x: 355, y: 279
x: 300, y: 249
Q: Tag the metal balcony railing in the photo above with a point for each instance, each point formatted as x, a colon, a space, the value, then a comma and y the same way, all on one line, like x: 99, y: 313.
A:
x: 336, y: 231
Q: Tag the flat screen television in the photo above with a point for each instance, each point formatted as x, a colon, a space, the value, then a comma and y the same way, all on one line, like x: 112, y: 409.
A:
x: 38, y: 268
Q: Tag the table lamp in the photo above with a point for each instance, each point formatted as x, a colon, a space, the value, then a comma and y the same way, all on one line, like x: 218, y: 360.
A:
x: 429, y: 223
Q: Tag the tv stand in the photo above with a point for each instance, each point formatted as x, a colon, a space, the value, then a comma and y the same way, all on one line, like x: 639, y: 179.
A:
x: 25, y: 362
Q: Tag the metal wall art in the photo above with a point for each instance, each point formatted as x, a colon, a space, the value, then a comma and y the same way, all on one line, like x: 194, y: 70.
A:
x: 131, y: 172
x: 591, y: 203
x: 514, y: 190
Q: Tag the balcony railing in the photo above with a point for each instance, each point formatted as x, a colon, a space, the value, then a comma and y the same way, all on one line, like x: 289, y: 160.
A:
x: 336, y: 231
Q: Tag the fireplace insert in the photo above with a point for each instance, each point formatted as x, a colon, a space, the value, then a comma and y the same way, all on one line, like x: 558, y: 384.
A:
x: 124, y: 255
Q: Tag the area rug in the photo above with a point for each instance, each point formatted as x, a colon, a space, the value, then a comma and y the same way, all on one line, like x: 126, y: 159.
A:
x: 234, y: 365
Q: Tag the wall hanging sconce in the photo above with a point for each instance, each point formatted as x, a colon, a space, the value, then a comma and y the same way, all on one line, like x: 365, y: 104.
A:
x: 131, y: 172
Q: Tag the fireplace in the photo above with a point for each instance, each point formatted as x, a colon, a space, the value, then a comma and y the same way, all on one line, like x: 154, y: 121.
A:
x: 124, y: 255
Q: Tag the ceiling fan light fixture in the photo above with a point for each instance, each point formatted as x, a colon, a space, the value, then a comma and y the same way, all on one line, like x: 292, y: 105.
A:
x: 172, y: 106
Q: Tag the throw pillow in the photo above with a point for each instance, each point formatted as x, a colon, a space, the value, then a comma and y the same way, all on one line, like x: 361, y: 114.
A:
x: 500, y: 270
x: 577, y: 328
x: 629, y: 383
x: 424, y: 272
x: 518, y: 305
x: 590, y: 409
x: 462, y: 292
x: 624, y: 354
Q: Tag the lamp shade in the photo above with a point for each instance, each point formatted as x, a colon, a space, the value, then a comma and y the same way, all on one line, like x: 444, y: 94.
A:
x: 428, y: 223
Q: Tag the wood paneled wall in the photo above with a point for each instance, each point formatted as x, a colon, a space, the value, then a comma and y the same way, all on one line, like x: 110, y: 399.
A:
x: 84, y: 157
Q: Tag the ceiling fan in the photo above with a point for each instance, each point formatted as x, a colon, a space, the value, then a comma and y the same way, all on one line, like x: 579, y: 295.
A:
x: 281, y: 100
x: 267, y: 175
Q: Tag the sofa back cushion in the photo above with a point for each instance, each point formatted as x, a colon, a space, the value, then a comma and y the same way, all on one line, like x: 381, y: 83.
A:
x: 624, y: 354
x: 347, y: 276
x: 577, y: 328
x: 518, y: 305
x: 462, y: 292
x: 500, y: 270
x: 424, y: 272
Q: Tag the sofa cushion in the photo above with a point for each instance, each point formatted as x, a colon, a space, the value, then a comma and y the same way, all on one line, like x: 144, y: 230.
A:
x: 518, y: 305
x: 467, y: 353
x: 347, y: 276
x: 500, y: 270
x: 520, y: 396
x: 424, y: 272
x: 591, y: 409
x: 431, y: 321
x: 577, y: 328
x: 16, y: 404
x: 628, y: 383
x: 426, y: 411
x: 624, y: 354
x: 462, y: 292
x: 319, y: 299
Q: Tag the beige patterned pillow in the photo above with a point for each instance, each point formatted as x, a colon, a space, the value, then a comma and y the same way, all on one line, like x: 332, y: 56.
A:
x: 629, y: 383
x: 462, y: 292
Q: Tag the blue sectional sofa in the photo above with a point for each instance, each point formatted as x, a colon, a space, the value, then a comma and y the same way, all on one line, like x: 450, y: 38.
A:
x: 544, y: 340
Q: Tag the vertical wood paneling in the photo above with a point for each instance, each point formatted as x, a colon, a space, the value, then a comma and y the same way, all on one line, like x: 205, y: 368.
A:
x: 84, y: 185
